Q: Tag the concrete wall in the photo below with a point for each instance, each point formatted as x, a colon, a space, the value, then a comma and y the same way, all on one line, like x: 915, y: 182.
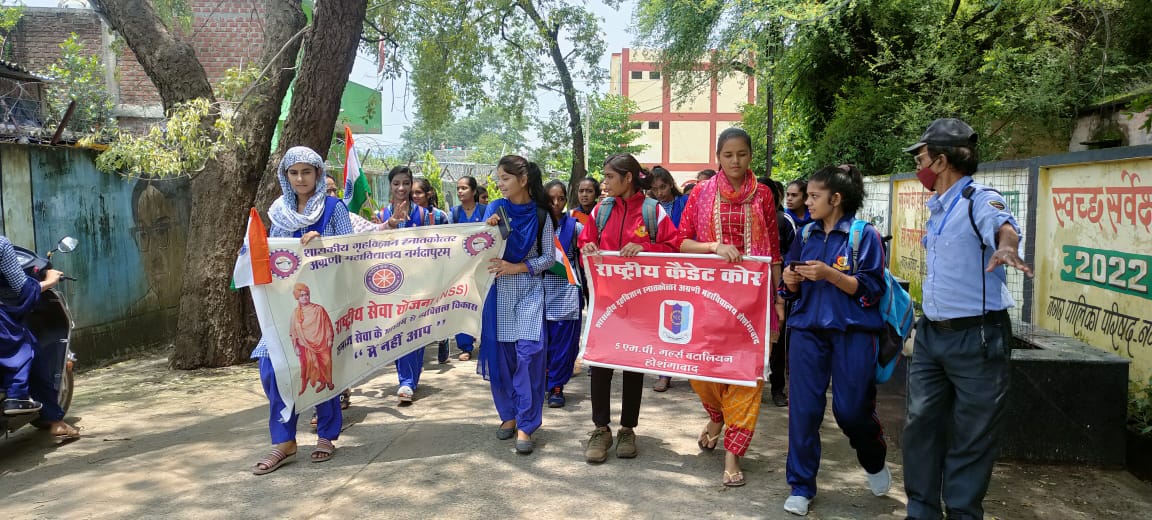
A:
x: 1087, y: 219
x: 132, y: 238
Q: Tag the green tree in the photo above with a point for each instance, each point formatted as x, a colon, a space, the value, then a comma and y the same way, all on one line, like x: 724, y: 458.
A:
x: 78, y: 77
x: 9, y: 16
x: 213, y: 329
x: 849, y: 81
x: 484, y: 130
x: 554, y: 155
x: 513, y: 47
x: 611, y: 129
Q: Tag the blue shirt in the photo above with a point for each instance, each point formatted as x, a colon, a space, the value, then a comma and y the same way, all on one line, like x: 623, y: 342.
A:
x: 798, y: 219
x: 459, y: 216
x: 675, y: 208
x: 11, y: 273
x: 821, y: 305
x: 955, y: 263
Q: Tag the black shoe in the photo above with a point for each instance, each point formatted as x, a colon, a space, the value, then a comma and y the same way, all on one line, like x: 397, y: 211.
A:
x: 779, y: 399
x: 442, y: 352
x: 21, y: 406
x: 556, y: 398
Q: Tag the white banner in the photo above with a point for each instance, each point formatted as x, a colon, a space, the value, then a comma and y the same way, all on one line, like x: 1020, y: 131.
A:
x: 341, y: 308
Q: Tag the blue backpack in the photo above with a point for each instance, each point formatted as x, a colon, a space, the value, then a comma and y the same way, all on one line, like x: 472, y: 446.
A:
x: 895, y: 305
x: 647, y: 212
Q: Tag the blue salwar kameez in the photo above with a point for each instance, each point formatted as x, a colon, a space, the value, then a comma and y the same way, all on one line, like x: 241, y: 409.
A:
x: 512, y: 343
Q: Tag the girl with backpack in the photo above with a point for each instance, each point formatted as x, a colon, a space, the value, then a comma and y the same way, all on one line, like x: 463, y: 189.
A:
x: 623, y: 222
x: 512, y: 341
x: 834, y: 326
x: 732, y: 215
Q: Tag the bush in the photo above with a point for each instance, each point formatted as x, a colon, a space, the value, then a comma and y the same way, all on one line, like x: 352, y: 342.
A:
x: 1140, y: 408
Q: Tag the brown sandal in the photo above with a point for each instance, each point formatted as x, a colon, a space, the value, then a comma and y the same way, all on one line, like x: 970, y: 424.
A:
x: 272, y: 462
x: 734, y: 479
x: 324, y: 450
x: 67, y: 433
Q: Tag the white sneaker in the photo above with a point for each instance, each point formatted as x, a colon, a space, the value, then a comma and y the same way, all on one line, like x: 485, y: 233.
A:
x: 880, y: 482
x: 797, y: 505
x: 405, y: 394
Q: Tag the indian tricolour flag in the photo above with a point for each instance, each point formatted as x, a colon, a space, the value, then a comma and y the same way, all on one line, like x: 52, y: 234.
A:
x: 355, y: 183
x: 253, y: 267
x: 562, y: 267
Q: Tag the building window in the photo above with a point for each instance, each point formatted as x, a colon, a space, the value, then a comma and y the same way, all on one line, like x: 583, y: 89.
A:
x: 636, y: 125
x: 653, y: 125
x: 637, y: 74
x: 654, y: 75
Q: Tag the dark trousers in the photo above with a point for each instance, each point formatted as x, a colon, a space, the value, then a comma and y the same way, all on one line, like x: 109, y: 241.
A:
x: 602, y: 397
x: 957, y: 390
x: 778, y: 357
x: 848, y: 361
x: 778, y: 362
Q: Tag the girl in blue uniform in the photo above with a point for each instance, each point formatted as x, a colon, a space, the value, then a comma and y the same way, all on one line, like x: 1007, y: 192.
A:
x: 834, y: 325
x: 512, y: 341
x: 469, y: 210
x: 303, y: 210
x: 562, y: 300
x: 403, y: 212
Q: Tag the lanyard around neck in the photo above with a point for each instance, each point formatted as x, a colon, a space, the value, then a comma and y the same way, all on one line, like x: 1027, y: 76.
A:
x: 951, y: 207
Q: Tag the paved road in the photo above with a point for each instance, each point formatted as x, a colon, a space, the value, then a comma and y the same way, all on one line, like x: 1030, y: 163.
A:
x: 163, y: 444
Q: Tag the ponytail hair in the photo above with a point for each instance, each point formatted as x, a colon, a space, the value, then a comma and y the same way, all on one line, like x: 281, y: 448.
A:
x: 521, y: 167
x: 624, y: 163
x: 847, y: 180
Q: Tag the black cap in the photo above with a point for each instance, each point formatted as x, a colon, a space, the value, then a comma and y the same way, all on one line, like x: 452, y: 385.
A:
x: 946, y: 132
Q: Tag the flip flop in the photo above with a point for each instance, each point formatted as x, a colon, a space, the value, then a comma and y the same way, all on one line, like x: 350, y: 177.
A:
x: 707, y: 442
x: 734, y: 479
x: 324, y: 450
x: 272, y: 462
x: 69, y: 434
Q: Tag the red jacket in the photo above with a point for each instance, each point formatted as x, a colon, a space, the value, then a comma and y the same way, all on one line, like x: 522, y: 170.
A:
x: 626, y: 225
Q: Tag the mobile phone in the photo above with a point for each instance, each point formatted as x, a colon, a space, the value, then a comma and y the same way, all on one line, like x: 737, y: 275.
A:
x: 503, y: 226
x: 794, y: 265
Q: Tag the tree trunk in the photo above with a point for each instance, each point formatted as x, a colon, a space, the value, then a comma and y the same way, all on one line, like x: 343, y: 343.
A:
x: 211, y: 330
x: 329, y: 53
x: 579, y: 167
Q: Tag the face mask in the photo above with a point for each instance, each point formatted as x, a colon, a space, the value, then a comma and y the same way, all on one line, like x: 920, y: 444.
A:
x: 927, y: 177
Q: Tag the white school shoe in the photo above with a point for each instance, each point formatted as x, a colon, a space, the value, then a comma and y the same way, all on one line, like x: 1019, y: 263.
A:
x: 880, y: 482
x: 797, y: 505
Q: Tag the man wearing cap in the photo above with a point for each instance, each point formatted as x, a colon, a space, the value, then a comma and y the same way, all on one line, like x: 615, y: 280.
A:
x: 959, y: 371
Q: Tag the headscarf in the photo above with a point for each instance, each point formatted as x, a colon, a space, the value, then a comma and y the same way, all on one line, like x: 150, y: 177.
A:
x: 748, y: 197
x: 283, y: 211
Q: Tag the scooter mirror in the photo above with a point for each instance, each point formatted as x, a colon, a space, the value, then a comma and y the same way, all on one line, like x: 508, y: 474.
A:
x: 67, y: 245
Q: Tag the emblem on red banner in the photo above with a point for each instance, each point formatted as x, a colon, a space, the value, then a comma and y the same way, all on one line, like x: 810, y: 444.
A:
x: 676, y: 321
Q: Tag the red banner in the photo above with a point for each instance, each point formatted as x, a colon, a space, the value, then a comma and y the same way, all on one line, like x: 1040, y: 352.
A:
x: 691, y: 316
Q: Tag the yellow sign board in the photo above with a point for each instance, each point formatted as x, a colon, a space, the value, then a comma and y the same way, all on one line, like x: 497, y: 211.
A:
x: 1094, y: 254
x: 909, y: 259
